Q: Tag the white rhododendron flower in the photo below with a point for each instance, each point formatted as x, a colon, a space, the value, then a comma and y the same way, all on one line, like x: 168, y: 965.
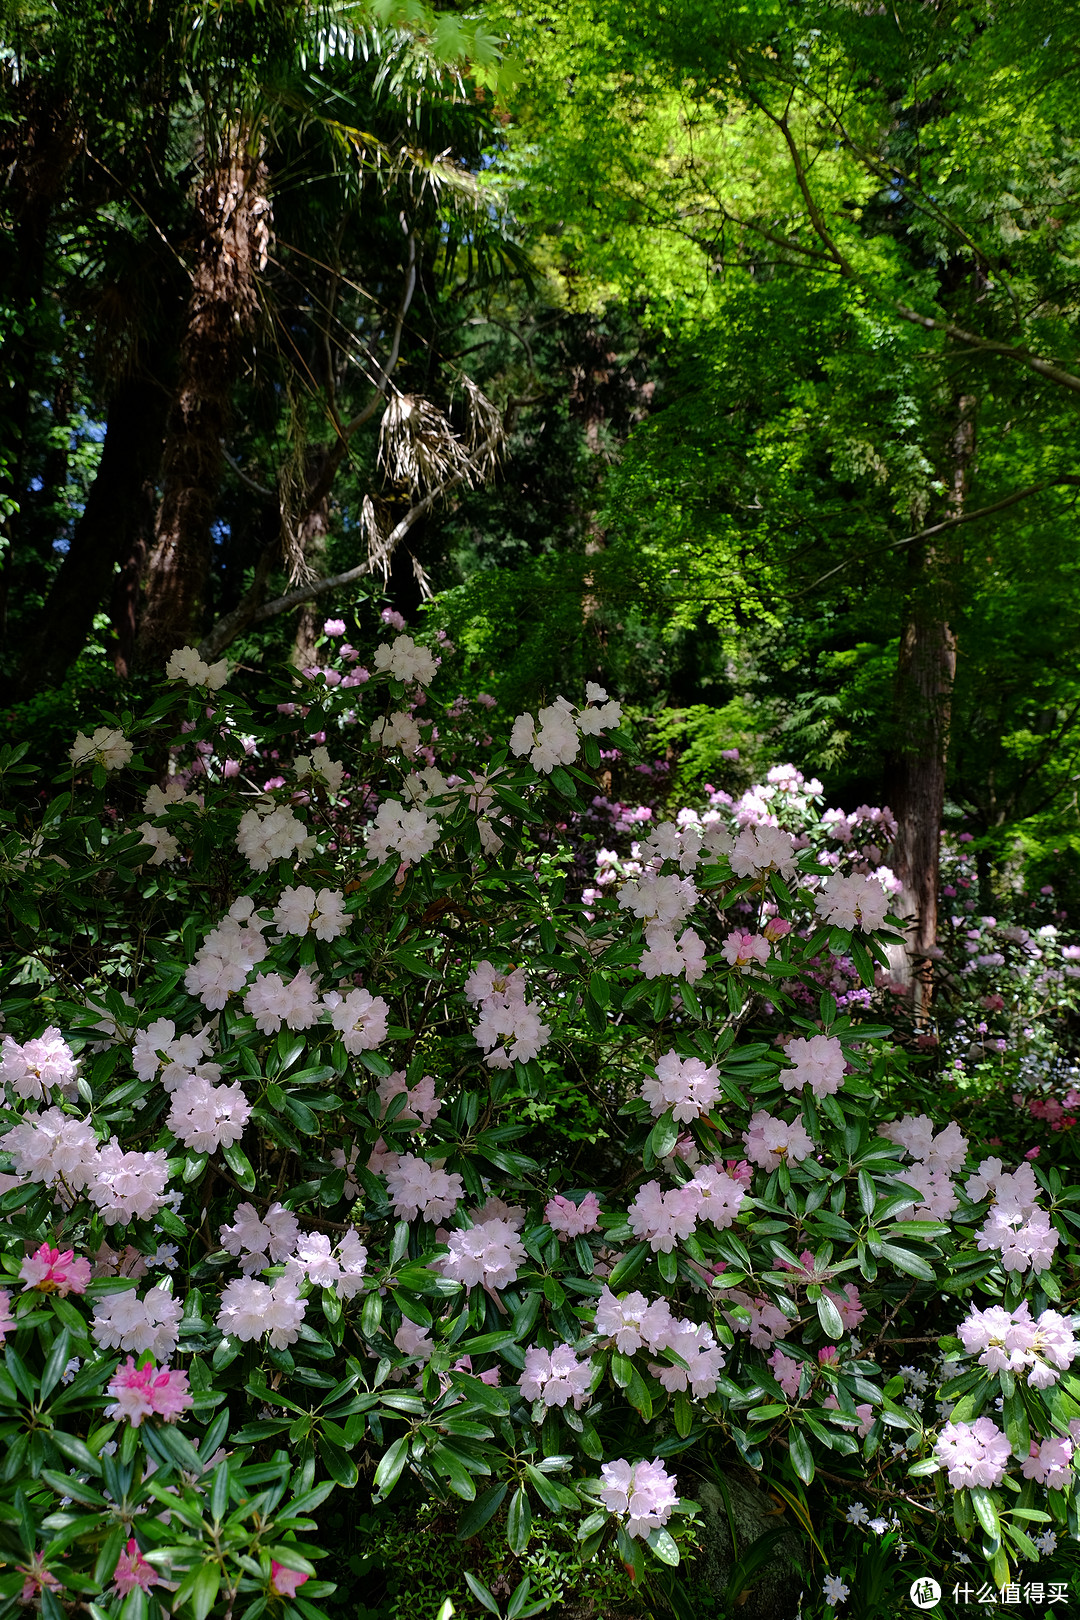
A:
x: 405, y: 661
x: 186, y: 665
x: 106, y: 747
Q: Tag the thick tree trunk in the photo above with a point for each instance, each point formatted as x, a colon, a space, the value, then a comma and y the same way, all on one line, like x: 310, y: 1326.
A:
x: 117, y: 518
x: 926, y: 672
x: 234, y: 229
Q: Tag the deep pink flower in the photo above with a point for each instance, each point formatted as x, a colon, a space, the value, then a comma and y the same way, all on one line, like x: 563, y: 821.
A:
x: 283, y: 1582
x: 55, y: 1271
x: 133, y: 1571
x: 140, y: 1392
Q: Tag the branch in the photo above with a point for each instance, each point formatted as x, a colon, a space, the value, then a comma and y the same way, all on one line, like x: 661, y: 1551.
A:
x: 930, y: 323
x: 1066, y: 480
x: 248, y: 612
x: 395, y: 347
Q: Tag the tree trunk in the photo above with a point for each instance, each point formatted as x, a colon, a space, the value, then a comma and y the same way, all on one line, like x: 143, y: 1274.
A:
x: 117, y: 517
x: 925, y: 675
x: 233, y: 214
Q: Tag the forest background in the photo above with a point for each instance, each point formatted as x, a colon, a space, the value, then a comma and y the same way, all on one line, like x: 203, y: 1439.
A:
x: 727, y: 358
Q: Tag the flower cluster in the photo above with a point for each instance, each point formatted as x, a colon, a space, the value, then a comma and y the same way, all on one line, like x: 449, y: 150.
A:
x: 643, y: 1493
x: 508, y: 1029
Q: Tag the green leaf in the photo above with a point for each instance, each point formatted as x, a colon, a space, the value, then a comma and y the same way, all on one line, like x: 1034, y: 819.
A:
x: 240, y: 1165
x: 477, y: 1514
x: 663, y: 1136
x: 986, y: 1510
x: 802, y: 1458
x: 519, y: 1522
x: 830, y: 1319
x: 663, y: 1546
x: 391, y: 1463
x: 204, y: 1589
x: 904, y: 1260
x: 629, y: 1266
x: 867, y: 1193
x: 480, y: 1592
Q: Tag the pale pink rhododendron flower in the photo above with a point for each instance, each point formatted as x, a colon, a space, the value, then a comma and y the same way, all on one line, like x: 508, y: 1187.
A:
x: 51, y: 1145
x: 787, y: 1372
x: 142, y: 1392
x: 285, y: 1582
x: 817, y: 1063
x: 266, y: 836
x: 273, y: 1002
x: 943, y: 1151
x: 685, y: 1085
x: 227, y: 955
x: 643, y: 1494
x: 158, y: 1047
x: 125, y: 1185
x: 849, y: 1305
x: 1022, y: 1243
x: 550, y: 740
x: 133, y: 1572
x: 488, y: 1254
x: 409, y: 833
x: 973, y: 1453
x: 763, y: 849
x: 741, y: 948
x: 694, y: 1343
x: 763, y: 1321
x: 487, y: 981
x: 55, y: 1271
x: 421, y: 1103
x: 261, y: 1240
x: 207, y: 1117
x: 319, y: 765
x: 34, y: 1068
x: 569, y: 1220
x: 126, y: 1322
x: 250, y: 1308
x: 863, y: 1421
x: 718, y: 1195
x: 663, y: 1218
x: 495, y: 1208
x: 852, y: 902
x: 7, y: 1321
x: 633, y: 1321
x: 664, y: 900
x: 414, y: 1341
x: 939, y: 1196
x: 769, y: 1141
x: 666, y: 955
x: 398, y: 730
x: 510, y: 1032
x: 303, y: 910
x: 417, y: 1187
x: 555, y: 1377
x: 360, y: 1019
x: 1049, y: 1463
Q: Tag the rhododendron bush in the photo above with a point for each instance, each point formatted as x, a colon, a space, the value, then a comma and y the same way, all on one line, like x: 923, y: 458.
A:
x: 291, y: 991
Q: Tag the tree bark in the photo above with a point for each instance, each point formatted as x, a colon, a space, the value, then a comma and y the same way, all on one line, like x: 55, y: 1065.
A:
x: 117, y: 518
x: 926, y: 671
x: 233, y: 215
